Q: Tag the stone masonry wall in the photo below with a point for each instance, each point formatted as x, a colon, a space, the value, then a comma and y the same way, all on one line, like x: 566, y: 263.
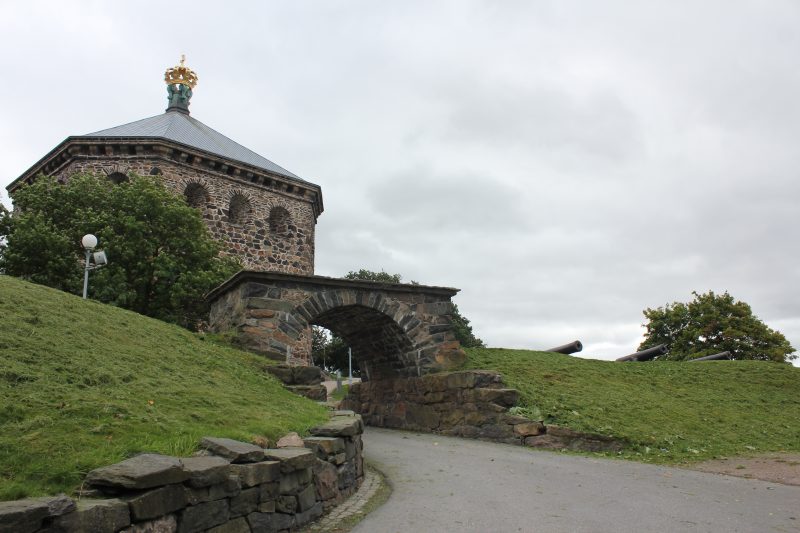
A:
x: 267, y: 230
x: 393, y: 329
x: 472, y: 404
x: 234, y: 487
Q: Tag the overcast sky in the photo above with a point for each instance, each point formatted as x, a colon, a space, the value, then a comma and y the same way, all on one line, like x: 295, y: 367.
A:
x: 565, y: 164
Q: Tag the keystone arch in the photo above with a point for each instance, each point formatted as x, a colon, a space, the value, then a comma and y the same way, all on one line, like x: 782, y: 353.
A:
x: 394, y: 330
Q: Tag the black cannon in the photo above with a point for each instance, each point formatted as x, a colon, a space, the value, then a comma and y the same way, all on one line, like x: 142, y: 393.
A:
x: 714, y: 357
x: 572, y: 347
x: 646, y: 355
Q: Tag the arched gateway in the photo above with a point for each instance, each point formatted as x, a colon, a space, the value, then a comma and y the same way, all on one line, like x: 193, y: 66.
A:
x: 395, y: 330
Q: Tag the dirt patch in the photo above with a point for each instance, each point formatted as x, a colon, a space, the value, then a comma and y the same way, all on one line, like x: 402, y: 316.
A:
x: 781, y: 468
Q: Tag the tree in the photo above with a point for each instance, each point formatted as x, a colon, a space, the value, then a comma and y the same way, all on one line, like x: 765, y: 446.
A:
x: 371, y: 275
x: 162, y: 260
x: 333, y: 350
x: 329, y: 351
x: 463, y: 330
x: 713, y: 323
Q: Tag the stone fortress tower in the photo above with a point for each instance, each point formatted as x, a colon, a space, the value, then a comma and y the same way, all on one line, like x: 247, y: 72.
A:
x: 265, y: 216
x: 259, y: 211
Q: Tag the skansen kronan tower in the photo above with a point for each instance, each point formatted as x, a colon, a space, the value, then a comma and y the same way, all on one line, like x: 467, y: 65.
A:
x: 261, y: 212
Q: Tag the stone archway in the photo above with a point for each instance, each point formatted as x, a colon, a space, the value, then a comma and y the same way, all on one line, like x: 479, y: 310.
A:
x: 395, y: 330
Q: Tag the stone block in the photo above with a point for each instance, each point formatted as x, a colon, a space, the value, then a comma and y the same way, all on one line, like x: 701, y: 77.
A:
x: 270, y: 303
x: 310, y: 515
x: 205, y: 471
x: 339, y: 458
x: 318, y: 393
x: 290, y: 440
x: 156, y: 502
x: 282, y: 372
x: 449, y: 358
x: 261, y: 313
x: 546, y: 441
x: 294, y: 482
x: 165, y: 524
x: 245, y: 503
x: 201, y: 517
x: 141, y: 472
x: 233, y: 450
x: 270, y: 522
x: 237, y: 525
x: 514, y: 419
x: 422, y: 416
x: 478, y: 418
x: 346, y: 475
x: 495, y: 432
x: 267, y: 507
x: 326, y: 480
x: 306, y: 498
x: 230, y: 488
x: 253, y: 474
x: 529, y: 429
x: 291, y: 458
x: 451, y: 418
x: 324, y: 446
x: 504, y: 397
x: 352, y: 447
x: 340, y: 426
x: 307, y: 375
x: 286, y: 504
x: 269, y: 491
x: 23, y: 516
x: 97, y: 516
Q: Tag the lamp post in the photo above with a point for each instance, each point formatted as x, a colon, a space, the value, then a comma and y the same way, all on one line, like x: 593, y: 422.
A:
x: 88, y: 242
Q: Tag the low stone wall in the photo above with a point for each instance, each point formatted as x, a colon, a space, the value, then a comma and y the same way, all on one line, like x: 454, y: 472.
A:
x: 233, y: 487
x: 472, y: 404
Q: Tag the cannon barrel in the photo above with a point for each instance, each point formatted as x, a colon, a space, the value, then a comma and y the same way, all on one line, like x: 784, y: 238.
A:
x: 646, y: 355
x: 572, y: 347
x: 714, y: 357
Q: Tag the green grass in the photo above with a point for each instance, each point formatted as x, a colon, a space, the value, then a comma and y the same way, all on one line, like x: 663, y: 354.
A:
x: 84, y: 384
x: 668, y: 412
x: 338, y: 394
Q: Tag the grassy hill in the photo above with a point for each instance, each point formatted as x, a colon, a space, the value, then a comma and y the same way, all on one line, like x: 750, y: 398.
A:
x: 668, y: 411
x: 84, y: 384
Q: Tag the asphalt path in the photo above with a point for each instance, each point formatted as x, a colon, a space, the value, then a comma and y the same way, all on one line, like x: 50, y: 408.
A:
x: 444, y: 484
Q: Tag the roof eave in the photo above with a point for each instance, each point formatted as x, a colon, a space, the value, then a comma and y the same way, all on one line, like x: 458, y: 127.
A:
x: 36, y: 169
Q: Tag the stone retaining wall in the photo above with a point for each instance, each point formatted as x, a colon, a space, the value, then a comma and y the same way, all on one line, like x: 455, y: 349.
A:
x: 473, y: 404
x: 232, y: 487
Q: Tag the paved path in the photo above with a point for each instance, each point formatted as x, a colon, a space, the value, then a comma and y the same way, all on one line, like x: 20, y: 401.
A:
x: 457, y: 485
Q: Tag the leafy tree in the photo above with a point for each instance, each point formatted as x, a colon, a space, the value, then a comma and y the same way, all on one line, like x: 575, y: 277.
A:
x: 463, y: 330
x: 713, y: 323
x: 162, y: 260
x: 332, y: 350
x: 371, y: 275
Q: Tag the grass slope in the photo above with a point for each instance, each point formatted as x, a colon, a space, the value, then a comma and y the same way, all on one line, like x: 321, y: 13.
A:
x: 668, y: 411
x: 84, y: 385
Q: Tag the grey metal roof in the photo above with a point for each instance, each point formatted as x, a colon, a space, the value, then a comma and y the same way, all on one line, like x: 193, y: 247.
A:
x: 182, y: 128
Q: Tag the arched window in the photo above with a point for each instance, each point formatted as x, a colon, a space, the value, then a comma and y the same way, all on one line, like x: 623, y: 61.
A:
x: 279, y: 220
x: 239, y: 209
x: 196, y: 195
x: 117, y: 177
x: 155, y: 171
